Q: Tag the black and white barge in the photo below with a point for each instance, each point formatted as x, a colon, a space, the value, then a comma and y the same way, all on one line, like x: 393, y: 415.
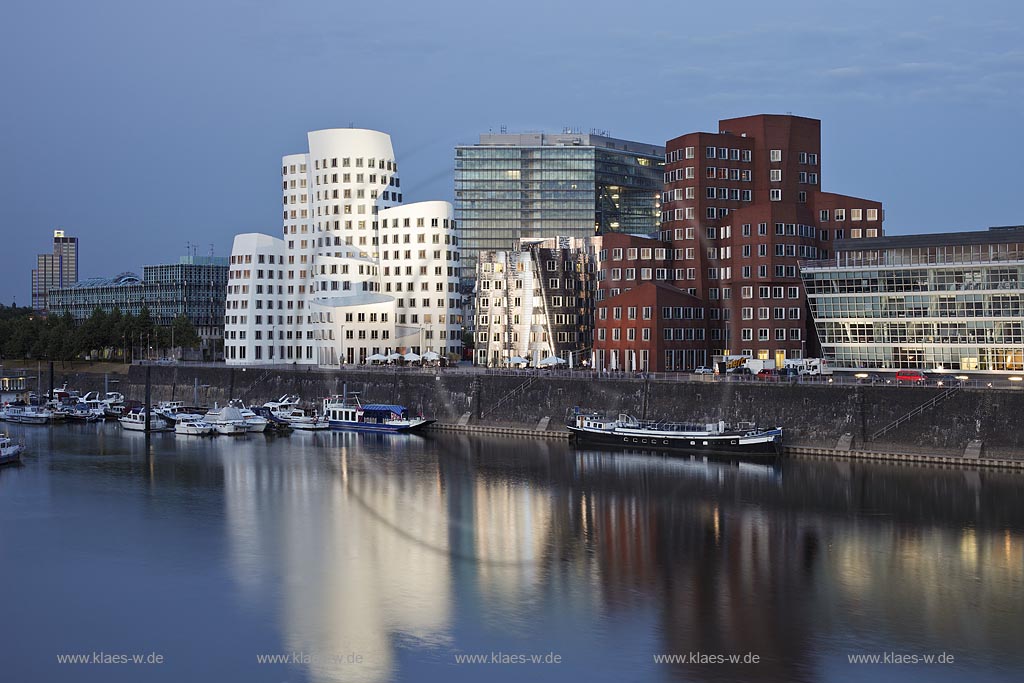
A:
x: 744, y: 439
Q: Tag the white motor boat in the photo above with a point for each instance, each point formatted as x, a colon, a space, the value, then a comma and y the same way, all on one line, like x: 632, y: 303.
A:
x: 227, y: 420
x: 253, y: 422
x: 171, y: 409
x: 136, y: 421
x: 298, y: 419
x: 192, y: 425
x: 33, y: 415
x: 283, y: 404
x: 87, y: 410
x: 10, y: 452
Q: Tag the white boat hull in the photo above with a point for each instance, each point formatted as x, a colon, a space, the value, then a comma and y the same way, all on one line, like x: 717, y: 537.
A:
x: 230, y: 428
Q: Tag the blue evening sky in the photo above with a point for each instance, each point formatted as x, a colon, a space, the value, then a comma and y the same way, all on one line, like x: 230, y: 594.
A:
x: 139, y: 126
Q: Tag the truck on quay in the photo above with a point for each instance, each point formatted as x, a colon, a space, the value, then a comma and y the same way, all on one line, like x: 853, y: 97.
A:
x: 740, y: 363
x: 814, y: 367
x: 725, y: 364
x: 756, y: 365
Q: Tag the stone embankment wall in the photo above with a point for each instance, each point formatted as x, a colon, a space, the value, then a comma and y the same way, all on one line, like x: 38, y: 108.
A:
x: 813, y: 414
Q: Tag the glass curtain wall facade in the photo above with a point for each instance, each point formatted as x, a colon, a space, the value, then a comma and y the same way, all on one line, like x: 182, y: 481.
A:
x: 513, y: 186
x: 195, y: 287
x: 929, y: 302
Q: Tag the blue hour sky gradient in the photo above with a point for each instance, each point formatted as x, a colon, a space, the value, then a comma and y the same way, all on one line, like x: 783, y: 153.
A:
x: 139, y: 126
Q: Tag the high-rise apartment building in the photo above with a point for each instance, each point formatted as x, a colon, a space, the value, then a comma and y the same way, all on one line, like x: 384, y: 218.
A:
x: 355, y: 272
x: 540, y: 185
x: 57, y: 269
x: 740, y: 208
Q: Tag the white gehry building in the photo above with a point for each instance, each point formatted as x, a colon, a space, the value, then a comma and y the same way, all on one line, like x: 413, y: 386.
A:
x: 355, y: 273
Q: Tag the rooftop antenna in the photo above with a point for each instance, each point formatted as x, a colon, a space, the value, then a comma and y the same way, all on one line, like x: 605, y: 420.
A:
x: 211, y: 248
x: 504, y: 128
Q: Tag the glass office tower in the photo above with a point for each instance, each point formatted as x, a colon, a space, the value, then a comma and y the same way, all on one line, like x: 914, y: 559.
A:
x: 539, y: 185
x: 930, y: 302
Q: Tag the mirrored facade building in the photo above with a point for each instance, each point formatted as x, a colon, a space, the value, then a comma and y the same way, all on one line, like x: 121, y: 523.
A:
x: 536, y: 301
x: 541, y: 185
x: 933, y: 302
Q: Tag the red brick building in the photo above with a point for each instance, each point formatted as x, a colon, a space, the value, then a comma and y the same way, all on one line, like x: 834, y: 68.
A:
x: 740, y: 208
x: 642, y: 321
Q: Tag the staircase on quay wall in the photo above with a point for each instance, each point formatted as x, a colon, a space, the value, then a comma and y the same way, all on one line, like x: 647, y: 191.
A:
x: 927, y: 405
x: 517, y: 391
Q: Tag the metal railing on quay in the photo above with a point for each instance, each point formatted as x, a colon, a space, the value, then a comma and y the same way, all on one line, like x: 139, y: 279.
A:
x: 843, y: 379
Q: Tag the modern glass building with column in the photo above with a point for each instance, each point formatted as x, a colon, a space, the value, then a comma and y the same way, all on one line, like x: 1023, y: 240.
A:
x: 948, y: 301
x: 541, y: 185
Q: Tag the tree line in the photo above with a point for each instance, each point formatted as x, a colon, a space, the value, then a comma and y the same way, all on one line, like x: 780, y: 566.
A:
x: 106, y: 336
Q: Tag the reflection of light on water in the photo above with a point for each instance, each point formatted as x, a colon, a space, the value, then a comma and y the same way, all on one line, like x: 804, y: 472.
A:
x: 916, y: 576
x: 705, y: 468
x: 969, y: 546
x: 347, y: 586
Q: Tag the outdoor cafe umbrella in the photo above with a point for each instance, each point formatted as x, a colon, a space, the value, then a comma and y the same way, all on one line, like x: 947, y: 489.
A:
x: 411, y: 356
x: 552, y: 360
x: 393, y: 356
x: 516, y: 360
x: 431, y: 355
x: 377, y: 356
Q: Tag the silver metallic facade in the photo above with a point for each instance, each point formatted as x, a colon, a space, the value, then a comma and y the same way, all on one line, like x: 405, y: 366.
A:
x: 931, y: 302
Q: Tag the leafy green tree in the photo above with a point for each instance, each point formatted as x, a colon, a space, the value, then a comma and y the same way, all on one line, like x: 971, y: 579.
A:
x: 185, y: 334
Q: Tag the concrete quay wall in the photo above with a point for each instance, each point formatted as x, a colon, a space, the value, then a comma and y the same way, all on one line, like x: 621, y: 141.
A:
x: 813, y: 414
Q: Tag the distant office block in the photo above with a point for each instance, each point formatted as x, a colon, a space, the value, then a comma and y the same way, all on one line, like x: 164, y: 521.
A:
x: 194, y: 287
x: 57, y: 269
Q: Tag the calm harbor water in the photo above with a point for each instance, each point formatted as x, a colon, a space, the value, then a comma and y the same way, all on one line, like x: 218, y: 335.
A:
x: 368, y: 558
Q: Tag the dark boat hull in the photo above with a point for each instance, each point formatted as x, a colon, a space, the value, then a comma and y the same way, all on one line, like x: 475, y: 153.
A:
x: 766, y: 450
x: 371, y: 428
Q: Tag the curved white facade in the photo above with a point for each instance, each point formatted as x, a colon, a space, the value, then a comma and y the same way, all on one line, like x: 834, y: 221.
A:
x: 355, y: 273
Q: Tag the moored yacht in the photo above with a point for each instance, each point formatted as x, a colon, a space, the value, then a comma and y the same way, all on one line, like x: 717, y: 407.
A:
x: 23, y: 414
x: 10, y: 452
x: 744, y: 439
x: 227, y: 420
x: 253, y: 422
x: 297, y: 418
x: 136, y: 421
x: 192, y: 425
x: 347, y: 413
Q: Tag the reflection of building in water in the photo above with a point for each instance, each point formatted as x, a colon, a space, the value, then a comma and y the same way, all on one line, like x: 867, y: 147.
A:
x: 372, y: 546
x: 363, y: 559
x: 949, y: 582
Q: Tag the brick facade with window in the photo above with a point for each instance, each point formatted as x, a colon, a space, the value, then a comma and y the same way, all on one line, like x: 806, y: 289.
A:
x: 743, y: 206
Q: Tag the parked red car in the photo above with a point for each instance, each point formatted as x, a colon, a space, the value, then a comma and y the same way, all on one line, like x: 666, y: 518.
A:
x: 768, y: 375
x: 912, y: 376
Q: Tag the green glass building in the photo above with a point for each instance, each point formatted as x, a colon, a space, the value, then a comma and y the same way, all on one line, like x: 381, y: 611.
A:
x: 541, y: 185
